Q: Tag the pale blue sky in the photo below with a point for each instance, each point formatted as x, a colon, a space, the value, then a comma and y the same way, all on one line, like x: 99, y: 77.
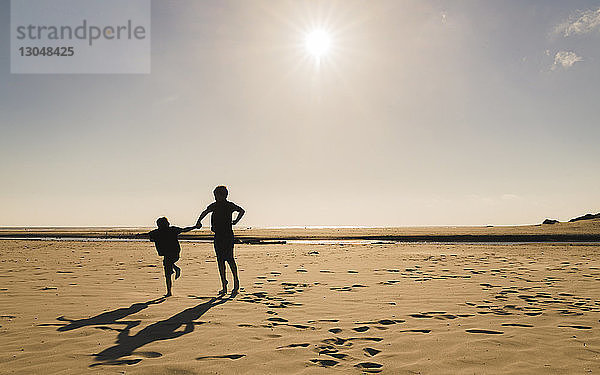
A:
x: 425, y: 113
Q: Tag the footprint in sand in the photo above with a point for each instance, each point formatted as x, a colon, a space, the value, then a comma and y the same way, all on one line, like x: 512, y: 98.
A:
x: 276, y: 319
x: 338, y: 355
x: 485, y: 331
x: 324, y: 362
x: 226, y: 356
x: 369, y: 366
x: 361, y: 329
x: 575, y: 326
x: 302, y: 345
x: 420, y: 316
x: 516, y: 325
x: 341, y: 289
x: 371, y: 352
x: 335, y: 341
x: 325, y: 349
x: 335, y: 330
x: 417, y: 330
x: 446, y: 316
x: 386, y: 322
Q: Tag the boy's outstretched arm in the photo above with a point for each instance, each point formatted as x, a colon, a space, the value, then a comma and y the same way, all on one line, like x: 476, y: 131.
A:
x: 202, y: 216
x: 187, y: 229
x: 241, y: 213
x: 145, y: 234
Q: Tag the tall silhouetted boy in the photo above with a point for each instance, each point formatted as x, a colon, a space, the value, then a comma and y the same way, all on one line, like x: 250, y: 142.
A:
x: 221, y: 224
x: 167, y: 246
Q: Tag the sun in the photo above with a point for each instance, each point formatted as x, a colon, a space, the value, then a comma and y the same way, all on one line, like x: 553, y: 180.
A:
x: 318, y: 43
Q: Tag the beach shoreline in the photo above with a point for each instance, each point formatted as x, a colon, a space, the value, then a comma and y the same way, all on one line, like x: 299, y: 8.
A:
x: 582, y: 231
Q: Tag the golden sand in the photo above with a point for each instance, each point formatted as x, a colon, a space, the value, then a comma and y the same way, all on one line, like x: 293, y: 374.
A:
x: 93, y: 307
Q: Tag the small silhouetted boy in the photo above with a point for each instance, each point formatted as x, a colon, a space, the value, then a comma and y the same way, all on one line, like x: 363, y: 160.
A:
x: 221, y: 224
x: 167, y: 246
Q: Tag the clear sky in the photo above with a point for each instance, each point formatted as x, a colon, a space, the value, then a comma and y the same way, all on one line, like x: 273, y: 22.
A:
x: 421, y: 113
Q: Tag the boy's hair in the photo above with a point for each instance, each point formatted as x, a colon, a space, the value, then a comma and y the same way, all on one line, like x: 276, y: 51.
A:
x: 162, y: 222
x: 221, y: 191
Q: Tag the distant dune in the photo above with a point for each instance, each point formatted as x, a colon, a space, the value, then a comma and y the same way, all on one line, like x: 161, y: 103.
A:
x: 586, y: 217
x: 579, y: 218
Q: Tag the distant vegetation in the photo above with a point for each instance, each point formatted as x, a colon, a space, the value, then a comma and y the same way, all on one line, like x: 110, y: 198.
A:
x: 586, y: 217
x: 579, y: 218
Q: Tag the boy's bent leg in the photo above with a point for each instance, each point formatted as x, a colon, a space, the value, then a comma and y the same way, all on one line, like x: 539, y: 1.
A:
x: 177, y: 271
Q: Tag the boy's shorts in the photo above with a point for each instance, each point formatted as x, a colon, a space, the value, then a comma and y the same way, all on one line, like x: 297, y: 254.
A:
x: 169, y: 262
x: 224, y: 246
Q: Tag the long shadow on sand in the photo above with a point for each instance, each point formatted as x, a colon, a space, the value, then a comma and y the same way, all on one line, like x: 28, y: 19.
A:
x: 162, y: 330
x: 106, y: 318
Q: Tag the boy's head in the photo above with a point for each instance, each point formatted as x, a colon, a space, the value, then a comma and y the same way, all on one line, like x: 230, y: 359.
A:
x: 162, y: 222
x: 220, y: 193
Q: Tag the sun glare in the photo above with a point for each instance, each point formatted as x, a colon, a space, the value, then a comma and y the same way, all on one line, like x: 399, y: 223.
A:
x: 318, y: 43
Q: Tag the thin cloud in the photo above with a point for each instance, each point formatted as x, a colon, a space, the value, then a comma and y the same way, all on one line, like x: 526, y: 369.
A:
x: 565, y: 59
x: 582, y: 23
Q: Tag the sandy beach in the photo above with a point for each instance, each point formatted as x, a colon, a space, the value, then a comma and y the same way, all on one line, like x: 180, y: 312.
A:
x: 394, y: 308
